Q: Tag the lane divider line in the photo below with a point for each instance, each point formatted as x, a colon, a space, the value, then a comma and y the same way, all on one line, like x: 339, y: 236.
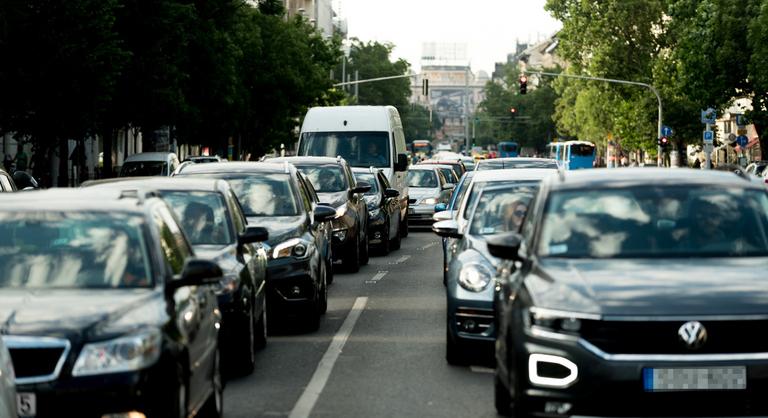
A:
x: 380, y: 275
x: 401, y: 260
x: 431, y: 244
x: 311, y: 394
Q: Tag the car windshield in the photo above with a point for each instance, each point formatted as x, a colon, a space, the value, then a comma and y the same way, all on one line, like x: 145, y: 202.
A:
x: 360, y: 149
x: 264, y: 194
x: 582, y: 150
x: 325, y: 178
x: 203, y: 216
x: 655, y: 222
x: 422, y: 178
x: 79, y: 250
x: 501, y: 208
x: 144, y: 169
x: 370, y: 179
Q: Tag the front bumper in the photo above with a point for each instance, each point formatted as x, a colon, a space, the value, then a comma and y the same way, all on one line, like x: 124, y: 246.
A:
x: 615, y: 388
x: 291, y: 286
x: 421, y: 214
x: 471, y: 319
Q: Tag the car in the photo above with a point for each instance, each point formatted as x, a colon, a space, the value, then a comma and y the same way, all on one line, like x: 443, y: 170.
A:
x: 757, y: 167
x: 646, y: 283
x: 469, y: 162
x: 8, y: 402
x: 500, y: 203
x: 149, y: 164
x: 444, y: 212
x: 383, y: 210
x: 106, y: 309
x: 428, y: 188
x: 448, y: 173
x: 6, y: 182
x: 198, y: 159
x: 336, y: 187
x: 516, y: 162
x: 215, y: 225
x: 364, y: 136
x: 278, y: 198
x: 456, y: 165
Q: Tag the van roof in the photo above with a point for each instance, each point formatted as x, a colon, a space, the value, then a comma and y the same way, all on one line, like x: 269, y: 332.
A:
x: 348, y: 119
x: 149, y: 156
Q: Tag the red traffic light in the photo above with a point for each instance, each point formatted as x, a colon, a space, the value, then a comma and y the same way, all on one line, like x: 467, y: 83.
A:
x: 523, y: 79
x: 512, y: 110
x: 664, y: 140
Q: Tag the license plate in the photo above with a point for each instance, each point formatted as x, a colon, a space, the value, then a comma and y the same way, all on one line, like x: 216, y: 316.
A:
x: 26, y: 404
x: 703, y: 378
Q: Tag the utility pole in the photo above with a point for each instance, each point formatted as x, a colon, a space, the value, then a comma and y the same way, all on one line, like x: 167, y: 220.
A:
x: 357, y: 86
x: 466, y: 112
x: 616, y: 81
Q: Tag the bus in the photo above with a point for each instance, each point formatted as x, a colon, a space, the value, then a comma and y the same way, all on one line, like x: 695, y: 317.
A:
x: 573, y: 155
x: 421, y: 148
x: 508, y: 149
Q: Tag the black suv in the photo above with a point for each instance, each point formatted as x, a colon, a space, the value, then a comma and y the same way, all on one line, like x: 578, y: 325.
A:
x: 215, y: 225
x: 277, y: 197
x: 104, y: 308
x: 635, y: 292
x: 336, y: 186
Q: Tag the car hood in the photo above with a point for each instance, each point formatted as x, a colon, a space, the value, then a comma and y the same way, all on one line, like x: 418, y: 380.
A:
x: 78, y: 314
x: 280, y: 228
x: 421, y: 192
x: 333, y: 199
x: 479, y: 245
x: 704, y: 286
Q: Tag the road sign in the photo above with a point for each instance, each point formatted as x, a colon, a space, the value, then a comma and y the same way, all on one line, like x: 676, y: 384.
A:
x: 708, y: 116
x: 742, y: 141
x: 741, y: 121
x: 741, y: 131
x: 666, y: 131
x: 709, y: 137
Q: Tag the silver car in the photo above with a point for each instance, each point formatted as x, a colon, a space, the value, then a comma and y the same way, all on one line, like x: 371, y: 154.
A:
x: 7, y: 384
x: 427, y: 187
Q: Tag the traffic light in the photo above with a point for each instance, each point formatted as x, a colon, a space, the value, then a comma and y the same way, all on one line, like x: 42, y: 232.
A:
x: 523, y: 84
x: 512, y: 112
x: 663, y: 142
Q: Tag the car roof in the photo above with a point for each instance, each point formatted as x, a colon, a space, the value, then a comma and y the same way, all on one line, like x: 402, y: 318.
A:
x: 73, y: 200
x: 149, y: 156
x: 422, y: 167
x: 237, y: 168
x: 512, y: 174
x: 307, y: 160
x: 161, y: 183
x: 370, y: 170
x: 505, y: 159
x: 629, y: 177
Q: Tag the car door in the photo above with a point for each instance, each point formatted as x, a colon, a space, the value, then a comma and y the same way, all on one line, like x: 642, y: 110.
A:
x: 253, y: 256
x: 195, y: 306
x: 315, y: 229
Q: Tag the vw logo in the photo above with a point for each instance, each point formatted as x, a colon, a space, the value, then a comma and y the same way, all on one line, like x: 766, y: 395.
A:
x: 693, y: 334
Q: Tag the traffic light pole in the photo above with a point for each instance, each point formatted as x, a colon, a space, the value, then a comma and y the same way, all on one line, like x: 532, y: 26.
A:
x: 616, y: 81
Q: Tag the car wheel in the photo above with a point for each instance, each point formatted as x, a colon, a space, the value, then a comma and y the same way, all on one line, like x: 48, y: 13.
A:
x: 385, y: 243
x: 454, y: 352
x: 260, y: 333
x: 351, y: 261
x: 324, y: 292
x: 214, y: 406
x: 502, y: 398
x: 364, y: 253
x: 329, y: 273
x: 247, y: 359
x: 395, y: 242
x: 404, y: 227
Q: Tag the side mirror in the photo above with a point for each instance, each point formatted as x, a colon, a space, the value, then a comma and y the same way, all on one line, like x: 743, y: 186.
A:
x: 445, y: 215
x: 196, y: 272
x: 324, y: 213
x: 505, y: 246
x: 391, y: 193
x: 447, y: 229
x: 448, y: 186
x: 402, y: 162
x: 253, y: 234
x: 362, y: 187
x: 441, y: 207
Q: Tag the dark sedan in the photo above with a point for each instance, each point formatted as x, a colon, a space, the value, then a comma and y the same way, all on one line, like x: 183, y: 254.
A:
x: 383, y: 209
x: 214, y: 222
x: 276, y: 197
x: 636, y: 292
x: 105, y: 310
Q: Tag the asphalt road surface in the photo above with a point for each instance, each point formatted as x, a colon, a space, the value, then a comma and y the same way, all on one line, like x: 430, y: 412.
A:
x: 380, y: 351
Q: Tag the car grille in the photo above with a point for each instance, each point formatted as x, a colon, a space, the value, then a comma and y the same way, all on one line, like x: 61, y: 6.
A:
x: 36, y: 359
x: 661, y: 337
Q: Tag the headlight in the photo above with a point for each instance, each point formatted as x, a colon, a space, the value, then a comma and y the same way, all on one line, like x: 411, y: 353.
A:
x: 341, y: 211
x: 475, y: 277
x: 123, y: 354
x: 293, y: 247
x: 430, y: 201
x: 557, y: 321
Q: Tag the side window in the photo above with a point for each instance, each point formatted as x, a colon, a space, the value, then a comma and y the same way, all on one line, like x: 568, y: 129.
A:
x: 304, y: 194
x: 312, y: 193
x: 5, y: 185
x: 529, y: 222
x: 173, y: 254
x: 237, y: 212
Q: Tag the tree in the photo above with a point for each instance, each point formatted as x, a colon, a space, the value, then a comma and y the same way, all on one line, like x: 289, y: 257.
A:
x: 416, y: 124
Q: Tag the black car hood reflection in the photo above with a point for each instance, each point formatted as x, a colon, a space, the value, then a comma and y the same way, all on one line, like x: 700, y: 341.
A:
x: 335, y: 199
x: 695, y: 286
x: 79, y: 313
x: 280, y: 228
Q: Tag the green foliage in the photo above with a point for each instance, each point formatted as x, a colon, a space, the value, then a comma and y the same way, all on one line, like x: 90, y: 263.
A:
x: 416, y: 123
x: 372, y: 60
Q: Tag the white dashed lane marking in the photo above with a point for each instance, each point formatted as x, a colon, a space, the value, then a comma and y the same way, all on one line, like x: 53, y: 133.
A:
x: 401, y: 260
x: 380, y: 275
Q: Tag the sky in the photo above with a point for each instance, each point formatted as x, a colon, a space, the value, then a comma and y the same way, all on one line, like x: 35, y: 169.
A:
x: 488, y: 27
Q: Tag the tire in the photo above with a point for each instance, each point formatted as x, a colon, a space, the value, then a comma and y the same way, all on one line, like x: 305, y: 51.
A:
x: 385, y: 245
x: 454, y: 352
x: 324, y: 293
x: 329, y: 273
x: 214, y: 406
x: 351, y: 262
x: 501, y: 398
x: 365, y: 255
x: 404, y: 226
x: 316, y: 310
x: 395, y: 242
x: 246, y: 352
x: 260, y: 330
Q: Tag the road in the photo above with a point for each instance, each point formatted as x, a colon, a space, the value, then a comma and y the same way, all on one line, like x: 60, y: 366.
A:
x: 391, y: 364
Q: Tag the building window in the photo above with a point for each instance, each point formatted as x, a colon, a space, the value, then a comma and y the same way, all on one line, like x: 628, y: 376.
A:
x: 727, y: 127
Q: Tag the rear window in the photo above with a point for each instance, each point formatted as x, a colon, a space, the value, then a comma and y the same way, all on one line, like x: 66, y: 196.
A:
x: 262, y: 194
x: 144, y: 169
x: 203, y: 216
x: 422, y: 178
x: 325, y: 178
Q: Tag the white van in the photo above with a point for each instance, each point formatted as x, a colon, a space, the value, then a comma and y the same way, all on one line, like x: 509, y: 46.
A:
x: 365, y: 136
